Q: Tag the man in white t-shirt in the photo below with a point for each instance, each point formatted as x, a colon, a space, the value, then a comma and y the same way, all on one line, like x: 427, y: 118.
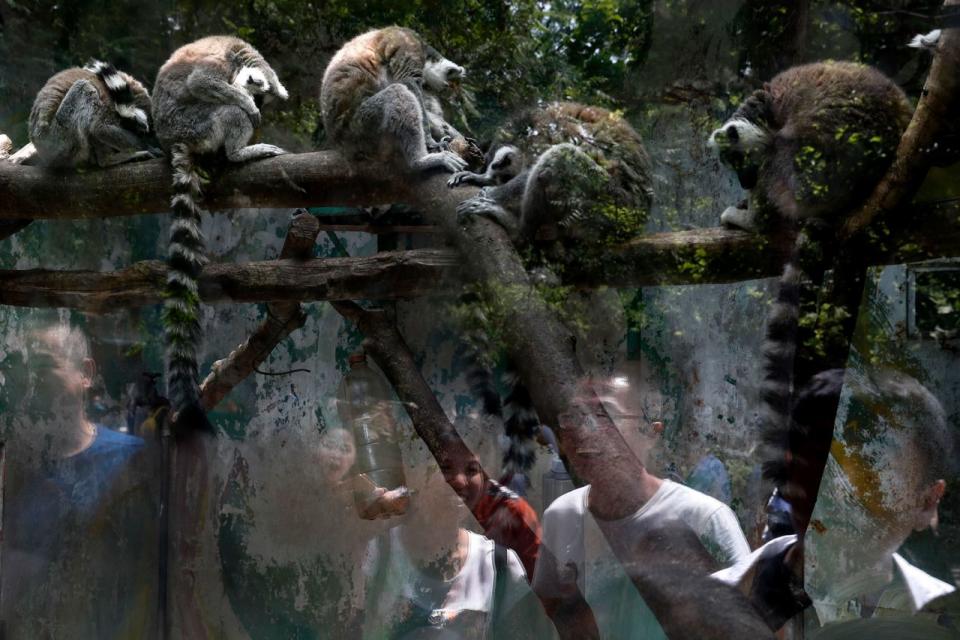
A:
x: 577, y: 566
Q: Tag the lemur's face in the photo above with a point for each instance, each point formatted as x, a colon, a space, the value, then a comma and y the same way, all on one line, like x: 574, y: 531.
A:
x: 507, y: 162
x: 742, y: 144
x: 253, y: 80
x: 440, y: 74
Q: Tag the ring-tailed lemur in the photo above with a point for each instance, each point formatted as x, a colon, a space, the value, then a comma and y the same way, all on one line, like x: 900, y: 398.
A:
x: 441, y: 85
x: 203, y: 103
x: 372, y: 104
x: 591, y: 176
x: 590, y: 163
x: 810, y: 147
x: 503, y: 165
x: 90, y: 115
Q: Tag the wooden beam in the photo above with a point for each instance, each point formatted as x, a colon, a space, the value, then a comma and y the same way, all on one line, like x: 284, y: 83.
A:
x: 694, y: 257
x: 937, y: 107
x: 386, y: 275
x: 323, y: 178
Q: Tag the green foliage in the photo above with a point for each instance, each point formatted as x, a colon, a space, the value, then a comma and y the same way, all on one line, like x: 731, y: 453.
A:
x: 599, y: 41
x: 825, y: 329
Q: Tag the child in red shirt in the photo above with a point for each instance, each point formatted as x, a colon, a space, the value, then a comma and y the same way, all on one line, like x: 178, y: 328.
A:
x: 506, y: 518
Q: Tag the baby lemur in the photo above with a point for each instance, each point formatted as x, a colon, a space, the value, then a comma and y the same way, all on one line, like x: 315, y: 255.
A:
x: 203, y: 103
x: 372, y: 103
x: 91, y: 115
x: 810, y: 147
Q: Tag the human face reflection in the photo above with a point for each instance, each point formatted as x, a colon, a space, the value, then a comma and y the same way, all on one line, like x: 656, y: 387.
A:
x: 337, y: 454
x: 622, y: 400
x: 46, y: 384
x: 434, y: 505
x: 463, y: 472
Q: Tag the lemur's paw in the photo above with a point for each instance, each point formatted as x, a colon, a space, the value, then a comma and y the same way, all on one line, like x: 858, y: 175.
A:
x: 446, y: 160
x: 458, y: 178
x: 478, y: 205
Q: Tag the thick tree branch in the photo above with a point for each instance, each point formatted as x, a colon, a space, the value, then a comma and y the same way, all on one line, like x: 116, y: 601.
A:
x: 382, y: 340
x: 294, y: 180
x: 938, y: 105
x: 282, y: 319
x: 385, y: 275
x: 700, y: 256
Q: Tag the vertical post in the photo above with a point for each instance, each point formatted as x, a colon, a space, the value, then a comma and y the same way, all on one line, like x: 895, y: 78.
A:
x: 163, y: 523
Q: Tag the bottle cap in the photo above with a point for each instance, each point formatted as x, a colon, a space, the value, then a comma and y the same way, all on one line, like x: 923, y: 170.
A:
x: 357, y: 357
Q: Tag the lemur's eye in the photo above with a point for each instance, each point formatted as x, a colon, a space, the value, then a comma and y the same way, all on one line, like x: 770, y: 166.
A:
x: 732, y: 133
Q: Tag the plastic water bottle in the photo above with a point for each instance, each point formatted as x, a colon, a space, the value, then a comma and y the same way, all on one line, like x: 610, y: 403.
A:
x: 364, y: 403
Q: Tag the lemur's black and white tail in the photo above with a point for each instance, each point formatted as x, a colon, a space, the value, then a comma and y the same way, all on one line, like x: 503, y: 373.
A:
x: 181, y: 309
x: 521, y: 428
x: 779, y: 353
x: 521, y: 424
x: 132, y: 116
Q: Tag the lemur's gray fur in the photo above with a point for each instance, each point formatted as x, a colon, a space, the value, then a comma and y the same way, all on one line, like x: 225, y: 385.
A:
x: 504, y: 164
x: 92, y: 115
x: 203, y: 103
x: 589, y: 163
x: 559, y: 188
x: 372, y: 102
x: 810, y: 147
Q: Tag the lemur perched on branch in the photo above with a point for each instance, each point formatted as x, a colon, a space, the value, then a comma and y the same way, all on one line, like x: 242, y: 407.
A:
x: 372, y: 100
x: 810, y: 147
x: 94, y: 115
x: 204, y: 102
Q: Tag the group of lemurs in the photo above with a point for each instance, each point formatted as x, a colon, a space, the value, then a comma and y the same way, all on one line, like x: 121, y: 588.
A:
x: 809, y: 146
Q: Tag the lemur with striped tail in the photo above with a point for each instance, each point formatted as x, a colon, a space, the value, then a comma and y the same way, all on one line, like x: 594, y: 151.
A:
x: 810, y: 147
x: 204, y: 102
x: 372, y: 102
x: 91, y: 115
x: 579, y: 169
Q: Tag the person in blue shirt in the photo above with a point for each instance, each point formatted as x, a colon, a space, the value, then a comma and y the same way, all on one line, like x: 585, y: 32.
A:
x: 79, y: 523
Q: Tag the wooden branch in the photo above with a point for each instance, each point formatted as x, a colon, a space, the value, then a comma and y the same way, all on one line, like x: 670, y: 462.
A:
x: 699, y: 256
x: 385, y: 275
x: 282, y: 319
x: 382, y: 340
x: 293, y: 180
x: 938, y: 105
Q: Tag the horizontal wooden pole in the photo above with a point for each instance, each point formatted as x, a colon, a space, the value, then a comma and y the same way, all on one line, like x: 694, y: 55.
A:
x: 698, y: 256
x: 323, y: 178
x: 382, y: 276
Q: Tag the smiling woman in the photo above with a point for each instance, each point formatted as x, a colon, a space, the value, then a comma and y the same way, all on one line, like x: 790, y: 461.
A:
x: 430, y: 573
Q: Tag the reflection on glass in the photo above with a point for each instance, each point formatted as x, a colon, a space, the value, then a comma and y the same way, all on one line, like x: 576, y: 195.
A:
x: 577, y: 558
x: 886, y: 475
x: 431, y: 577
x: 78, y: 501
